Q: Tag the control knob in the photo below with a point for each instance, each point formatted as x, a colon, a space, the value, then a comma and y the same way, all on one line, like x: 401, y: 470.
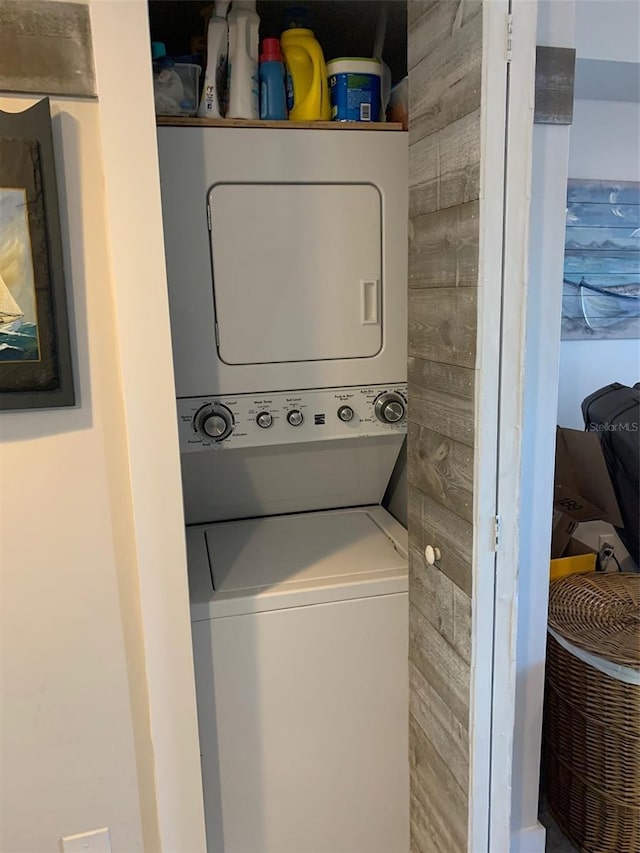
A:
x: 390, y: 407
x: 214, y: 422
x: 295, y: 417
x: 264, y: 420
x: 345, y: 413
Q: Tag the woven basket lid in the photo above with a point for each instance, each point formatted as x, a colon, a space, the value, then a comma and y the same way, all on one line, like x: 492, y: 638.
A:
x: 599, y: 612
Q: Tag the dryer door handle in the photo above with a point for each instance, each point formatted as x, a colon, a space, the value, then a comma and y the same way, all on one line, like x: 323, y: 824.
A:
x: 369, y: 302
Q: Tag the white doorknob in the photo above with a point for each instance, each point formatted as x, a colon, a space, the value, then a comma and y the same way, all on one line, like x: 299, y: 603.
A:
x: 431, y: 554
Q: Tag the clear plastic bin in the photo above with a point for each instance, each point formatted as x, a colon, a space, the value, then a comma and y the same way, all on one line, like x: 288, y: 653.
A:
x: 176, y: 89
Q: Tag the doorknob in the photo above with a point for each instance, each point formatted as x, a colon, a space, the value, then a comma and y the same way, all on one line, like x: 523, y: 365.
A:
x: 432, y: 554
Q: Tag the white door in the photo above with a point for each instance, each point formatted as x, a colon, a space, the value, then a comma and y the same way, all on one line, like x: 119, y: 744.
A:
x: 296, y: 271
x: 471, y: 75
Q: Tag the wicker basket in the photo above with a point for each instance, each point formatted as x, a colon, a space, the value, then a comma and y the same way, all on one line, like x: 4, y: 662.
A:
x: 592, y: 711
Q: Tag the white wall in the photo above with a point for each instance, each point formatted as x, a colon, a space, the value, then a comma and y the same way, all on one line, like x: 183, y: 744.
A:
x: 605, y: 143
x: 121, y: 29
x: 68, y: 759
x: 608, y: 30
x: 546, y: 241
x: 98, y: 721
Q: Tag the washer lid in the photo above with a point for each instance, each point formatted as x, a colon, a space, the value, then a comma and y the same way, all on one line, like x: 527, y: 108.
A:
x: 299, y: 550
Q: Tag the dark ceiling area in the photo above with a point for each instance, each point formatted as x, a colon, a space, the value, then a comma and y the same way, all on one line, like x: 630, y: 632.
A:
x: 342, y: 28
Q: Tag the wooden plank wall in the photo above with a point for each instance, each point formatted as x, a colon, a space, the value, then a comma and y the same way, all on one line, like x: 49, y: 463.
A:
x: 46, y: 48
x: 445, y: 55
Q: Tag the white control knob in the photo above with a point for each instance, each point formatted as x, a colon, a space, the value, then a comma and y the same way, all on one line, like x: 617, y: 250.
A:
x: 432, y: 554
x: 214, y: 422
x: 295, y: 417
x: 264, y: 420
x: 390, y: 407
x: 345, y: 413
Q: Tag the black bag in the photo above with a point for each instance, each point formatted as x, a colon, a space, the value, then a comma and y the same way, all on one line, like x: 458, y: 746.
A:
x: 614, y: 413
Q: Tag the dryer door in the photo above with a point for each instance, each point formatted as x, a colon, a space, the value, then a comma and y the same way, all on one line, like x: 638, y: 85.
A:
x: 297, y: 271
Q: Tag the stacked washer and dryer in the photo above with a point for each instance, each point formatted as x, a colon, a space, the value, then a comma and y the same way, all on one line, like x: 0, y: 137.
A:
x: 287, y: 268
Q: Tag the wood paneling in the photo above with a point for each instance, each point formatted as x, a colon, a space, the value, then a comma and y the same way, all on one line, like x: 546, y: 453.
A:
x: 46, y: 48
x: 440, y: 376
x: 434, y: 22
x: 453, y: 414
x: 442, y: 324
x: 443, y: 247
x: 446, y: 79
x: 432, y: 523
x: 555, y: 77
x: 450, y: 738
x: 444, y: 168
x: 261, y: 124
x: 445, y: 56
x: 427, y: 827
x: 443, y: 604
x: 441, y: 468
x: 440, y: 665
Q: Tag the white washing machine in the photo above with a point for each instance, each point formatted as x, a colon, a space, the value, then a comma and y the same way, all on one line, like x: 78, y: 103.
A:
x: 300, y: 635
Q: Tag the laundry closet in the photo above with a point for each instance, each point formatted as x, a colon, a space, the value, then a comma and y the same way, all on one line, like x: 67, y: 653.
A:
x: 286, y: 255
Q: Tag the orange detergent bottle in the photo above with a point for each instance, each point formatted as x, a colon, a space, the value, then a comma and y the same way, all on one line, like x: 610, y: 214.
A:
x: 307, y: 85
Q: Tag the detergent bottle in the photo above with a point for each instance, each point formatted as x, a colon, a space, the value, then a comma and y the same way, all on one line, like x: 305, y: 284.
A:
x: 273, y: 102
x: 307, y: 86
x: 215, y: 81
x: 244, y: 92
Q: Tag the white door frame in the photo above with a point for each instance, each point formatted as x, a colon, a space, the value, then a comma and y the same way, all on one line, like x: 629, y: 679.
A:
x: 510, y: 485
x: 542, y: 359
x: 508, y: 101
x: 133, y: 208
x: 167, y: 745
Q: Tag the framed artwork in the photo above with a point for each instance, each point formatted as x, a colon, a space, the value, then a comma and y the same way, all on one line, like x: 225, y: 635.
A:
x: 35, y: 357
x: 601, y: 288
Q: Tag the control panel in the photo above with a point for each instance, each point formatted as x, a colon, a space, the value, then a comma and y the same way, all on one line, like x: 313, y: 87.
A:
x: 290, y: 417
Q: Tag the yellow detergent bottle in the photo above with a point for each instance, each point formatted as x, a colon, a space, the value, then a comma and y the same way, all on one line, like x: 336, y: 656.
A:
x: 307, y: 85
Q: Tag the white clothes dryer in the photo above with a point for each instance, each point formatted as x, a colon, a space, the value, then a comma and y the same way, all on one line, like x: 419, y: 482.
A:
x: 300, y: 635
x: 287, y: 270
x: 286, y: 257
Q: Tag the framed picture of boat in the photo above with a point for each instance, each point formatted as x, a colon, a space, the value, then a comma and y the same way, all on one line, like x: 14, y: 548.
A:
x: 35, y: 356
x: 601, y: 287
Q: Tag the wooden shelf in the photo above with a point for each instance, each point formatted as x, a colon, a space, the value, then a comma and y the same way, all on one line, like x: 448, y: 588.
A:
x: 194, y: 121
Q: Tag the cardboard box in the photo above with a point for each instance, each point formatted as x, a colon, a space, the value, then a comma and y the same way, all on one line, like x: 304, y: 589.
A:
x: 582, y: 492
x: 562, y: 530
x: 577, y: 559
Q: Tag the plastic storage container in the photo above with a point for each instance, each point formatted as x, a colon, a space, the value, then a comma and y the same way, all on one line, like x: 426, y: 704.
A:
x: 273, y: 102
x: 307, y: 86
x: 176, y: 88
x: 355, y: 89
x: 244, y: 93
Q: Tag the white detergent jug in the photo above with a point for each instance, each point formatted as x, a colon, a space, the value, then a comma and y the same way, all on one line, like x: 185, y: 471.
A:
x: 244, y: 91
x: 215, y: 80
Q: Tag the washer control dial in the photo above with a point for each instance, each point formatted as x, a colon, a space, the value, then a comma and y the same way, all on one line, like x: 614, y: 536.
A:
x: 345, y: 413
x: 390, y: 407
x: 295, y: 417
x: 264, y: 420
x: 214, y: 421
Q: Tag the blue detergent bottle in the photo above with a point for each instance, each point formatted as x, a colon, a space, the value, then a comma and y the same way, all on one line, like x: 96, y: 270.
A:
x: 273, y: 102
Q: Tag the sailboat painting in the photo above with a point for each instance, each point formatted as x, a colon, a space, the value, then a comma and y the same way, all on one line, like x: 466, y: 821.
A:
x: 36, y: 370
x: 601, y: 285
x: 18, y: 315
